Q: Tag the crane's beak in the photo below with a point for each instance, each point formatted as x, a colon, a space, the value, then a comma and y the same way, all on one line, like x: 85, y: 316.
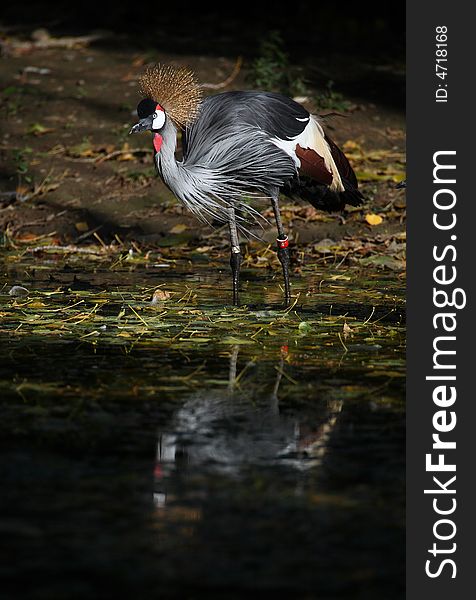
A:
x: 142, y: 125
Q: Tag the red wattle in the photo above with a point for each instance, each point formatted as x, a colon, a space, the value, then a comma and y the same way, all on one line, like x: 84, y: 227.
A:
x: 157, y: 142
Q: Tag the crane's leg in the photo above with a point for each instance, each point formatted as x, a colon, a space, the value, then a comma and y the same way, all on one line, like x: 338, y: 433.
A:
x: 235, y: 254
x: 283, y: 250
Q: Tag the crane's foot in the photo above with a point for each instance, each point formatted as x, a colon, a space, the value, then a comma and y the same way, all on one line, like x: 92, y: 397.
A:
x: 235, y: 264
x: 283, y: 255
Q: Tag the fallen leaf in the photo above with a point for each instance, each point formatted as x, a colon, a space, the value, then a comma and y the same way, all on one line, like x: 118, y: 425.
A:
x: 27, y: 237
x: 383, y: 261
x: 381, y: 175
x: 350, y: 146
x: 82, y: 150
x: 125, y: 154
x: 139, y: 61
x: 36, y: 304
x: 339, y: 278
x: 38, y: 129
x: 179, y: 228
x: 373, y: 219
x: 325, y: 246
x: 160, y: 296
x: 347, y: 331
x: 129, y: 76
x: 395, y: 133
x: 82, y: 226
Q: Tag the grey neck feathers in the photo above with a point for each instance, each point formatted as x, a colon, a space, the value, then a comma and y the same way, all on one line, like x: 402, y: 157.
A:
x: 165, y: 159
x: 196, y: 185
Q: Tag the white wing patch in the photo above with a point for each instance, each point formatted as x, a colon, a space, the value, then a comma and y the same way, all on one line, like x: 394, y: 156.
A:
x: 312, y: 137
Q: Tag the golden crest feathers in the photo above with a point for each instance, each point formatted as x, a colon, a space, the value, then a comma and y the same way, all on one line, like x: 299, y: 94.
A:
x: 175, y: 89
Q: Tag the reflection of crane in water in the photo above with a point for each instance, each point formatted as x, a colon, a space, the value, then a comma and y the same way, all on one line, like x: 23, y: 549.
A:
x: 225, y: 430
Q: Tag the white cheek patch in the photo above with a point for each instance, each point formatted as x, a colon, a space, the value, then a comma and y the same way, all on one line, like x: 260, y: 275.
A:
x: 159, y: 120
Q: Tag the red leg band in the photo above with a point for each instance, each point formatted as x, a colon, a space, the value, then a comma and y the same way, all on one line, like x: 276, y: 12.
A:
x: 283, y: 243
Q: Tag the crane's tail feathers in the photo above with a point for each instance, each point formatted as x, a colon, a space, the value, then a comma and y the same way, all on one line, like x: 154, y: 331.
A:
x: 323, y: 197
x: 351, y: 195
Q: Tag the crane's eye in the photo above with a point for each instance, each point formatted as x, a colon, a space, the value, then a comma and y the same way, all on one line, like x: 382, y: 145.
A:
x: 154, y: 116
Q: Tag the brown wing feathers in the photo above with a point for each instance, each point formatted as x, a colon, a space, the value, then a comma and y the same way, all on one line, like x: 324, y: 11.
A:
x: 313, y: 168
x: 313, y: 165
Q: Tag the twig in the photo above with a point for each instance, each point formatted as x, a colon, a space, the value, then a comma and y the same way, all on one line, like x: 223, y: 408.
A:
x: 101, y: 159
x: 345, y: 256
x: 341, y: 341
x: 288, y: 310
x: 333, y: 113
x: 45, y: 41
x: 371, y: 314
x: 16, y: 229
x: 281, y: 372
x: 384, y: 316
x: 64, y: 249
x: 233, y: 75
x: 43, y: 185
x: 99, y: 239
x: 87, y: 234
x: 138, y: 316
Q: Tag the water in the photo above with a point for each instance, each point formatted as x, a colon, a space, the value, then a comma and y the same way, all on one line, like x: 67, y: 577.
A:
x: 191, y: 449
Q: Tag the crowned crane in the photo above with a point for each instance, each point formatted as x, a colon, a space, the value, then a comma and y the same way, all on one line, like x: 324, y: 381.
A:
x: 239, y: 145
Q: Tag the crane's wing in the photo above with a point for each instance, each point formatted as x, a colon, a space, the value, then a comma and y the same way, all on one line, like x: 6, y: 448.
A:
x: 264, y: 123
x: 342, y: 162
x: 325, y: 177
x: 273, y: 114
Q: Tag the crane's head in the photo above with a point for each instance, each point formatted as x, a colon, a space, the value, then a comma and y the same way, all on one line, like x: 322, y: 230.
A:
x: 151, y: 118
x: 179, y: 96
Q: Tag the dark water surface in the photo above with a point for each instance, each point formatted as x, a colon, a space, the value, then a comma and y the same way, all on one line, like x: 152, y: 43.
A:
x: 191, y: 449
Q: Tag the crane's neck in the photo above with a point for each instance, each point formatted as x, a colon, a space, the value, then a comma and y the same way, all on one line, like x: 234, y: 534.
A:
x: 189, y: 182
x: 165, y: 157
x: 197, y: 185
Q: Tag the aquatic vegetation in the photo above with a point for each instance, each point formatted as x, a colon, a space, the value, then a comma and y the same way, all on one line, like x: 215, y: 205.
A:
x: 136, y: 301
x: 91, y: 295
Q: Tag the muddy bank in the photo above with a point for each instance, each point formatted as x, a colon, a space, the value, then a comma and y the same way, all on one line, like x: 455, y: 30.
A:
x: 69, y: 166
